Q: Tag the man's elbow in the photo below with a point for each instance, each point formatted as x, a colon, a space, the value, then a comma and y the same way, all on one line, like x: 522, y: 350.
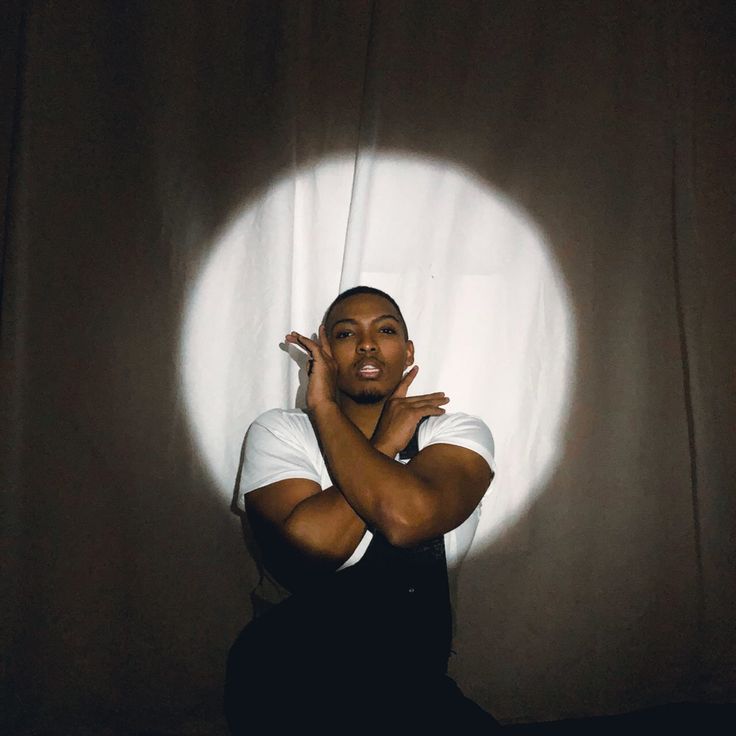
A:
x: 309, y: 543
x: 410, y: 528
x: 405, y: 536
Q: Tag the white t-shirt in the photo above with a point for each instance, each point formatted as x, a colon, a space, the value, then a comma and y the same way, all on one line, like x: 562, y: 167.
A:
x: 281, y: 444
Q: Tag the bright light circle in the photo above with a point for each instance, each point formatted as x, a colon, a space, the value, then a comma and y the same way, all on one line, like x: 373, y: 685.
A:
x: 484, y: 300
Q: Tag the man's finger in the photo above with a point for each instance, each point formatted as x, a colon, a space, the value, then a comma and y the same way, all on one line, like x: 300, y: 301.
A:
x: 403, y: 387
x: 294, y: 338
x: 428, y: 405
x: 433, y: 411
x: 437, y: 396
x: 426, y: 410
x: 323, y: 341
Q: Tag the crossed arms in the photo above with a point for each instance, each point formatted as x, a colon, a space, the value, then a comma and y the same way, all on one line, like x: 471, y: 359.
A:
x: 303, y: 531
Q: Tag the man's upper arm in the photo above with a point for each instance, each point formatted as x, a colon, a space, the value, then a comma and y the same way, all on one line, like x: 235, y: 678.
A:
x: 268, y: 509
x: 457, y: 478
x: 456, y: 465
x: 278, y: 475
x: 276, y: 452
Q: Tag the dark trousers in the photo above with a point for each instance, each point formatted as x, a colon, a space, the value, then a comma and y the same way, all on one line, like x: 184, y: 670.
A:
x: 315, y: 686
x: 364, y: 650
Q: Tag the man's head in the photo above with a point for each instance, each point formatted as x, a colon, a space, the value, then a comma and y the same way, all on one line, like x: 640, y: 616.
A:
x: 370, y: 343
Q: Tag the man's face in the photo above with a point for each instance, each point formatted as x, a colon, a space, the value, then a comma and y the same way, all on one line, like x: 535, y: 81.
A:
x: 368, y: 343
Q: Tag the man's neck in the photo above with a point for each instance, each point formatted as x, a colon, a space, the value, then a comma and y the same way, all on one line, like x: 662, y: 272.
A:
x: 364, y: 416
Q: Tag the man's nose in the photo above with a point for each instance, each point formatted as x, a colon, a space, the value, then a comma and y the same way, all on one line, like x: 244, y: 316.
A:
x: 366, y: 345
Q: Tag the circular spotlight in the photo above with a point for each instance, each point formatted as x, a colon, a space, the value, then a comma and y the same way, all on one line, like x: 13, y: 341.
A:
x: 485, y: 302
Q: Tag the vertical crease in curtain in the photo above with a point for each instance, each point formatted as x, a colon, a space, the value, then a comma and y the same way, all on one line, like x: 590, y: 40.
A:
x: 350, y: 265
x: 15, y: 39
x: 684, y: 233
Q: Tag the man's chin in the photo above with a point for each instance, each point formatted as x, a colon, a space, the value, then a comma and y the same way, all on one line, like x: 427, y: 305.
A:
x: 367, y: 396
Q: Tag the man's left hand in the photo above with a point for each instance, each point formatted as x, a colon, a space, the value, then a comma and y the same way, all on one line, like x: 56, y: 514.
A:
x: 401, y: 414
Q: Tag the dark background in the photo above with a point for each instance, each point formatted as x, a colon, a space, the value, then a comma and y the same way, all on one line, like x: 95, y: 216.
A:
x: 131, y: 132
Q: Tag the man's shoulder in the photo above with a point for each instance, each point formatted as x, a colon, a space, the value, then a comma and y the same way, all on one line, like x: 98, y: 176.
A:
x: 283, y: 420
x: 459, y: 428
x: 279, y: 444
x: 284, y: 424
x: 458, y: 420
x: 276, y: 417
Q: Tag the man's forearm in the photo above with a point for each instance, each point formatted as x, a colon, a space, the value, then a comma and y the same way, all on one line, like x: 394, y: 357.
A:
x: 383, y: 492
x: 326, y: 526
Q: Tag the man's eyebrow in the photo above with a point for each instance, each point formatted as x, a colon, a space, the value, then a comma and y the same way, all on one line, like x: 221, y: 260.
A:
x: 377, y: 319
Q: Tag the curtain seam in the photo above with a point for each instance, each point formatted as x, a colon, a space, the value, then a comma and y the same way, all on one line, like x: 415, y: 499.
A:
x: 361, y: 119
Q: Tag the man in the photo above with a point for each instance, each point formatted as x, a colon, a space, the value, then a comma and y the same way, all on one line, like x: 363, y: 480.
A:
x: 360, y: 507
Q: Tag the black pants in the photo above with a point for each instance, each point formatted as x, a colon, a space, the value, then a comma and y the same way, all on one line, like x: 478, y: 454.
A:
x: 363, y: 650
x: 275, y: 691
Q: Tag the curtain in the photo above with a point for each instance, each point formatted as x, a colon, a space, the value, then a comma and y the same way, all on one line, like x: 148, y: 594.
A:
x: 546, y: 188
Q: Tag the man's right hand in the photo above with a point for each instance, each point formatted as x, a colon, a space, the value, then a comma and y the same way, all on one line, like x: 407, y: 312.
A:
x: 322, y: 371
x: 401, y: 414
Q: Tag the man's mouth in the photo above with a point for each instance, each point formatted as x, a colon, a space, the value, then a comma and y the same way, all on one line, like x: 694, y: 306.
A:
x: 369, y: 369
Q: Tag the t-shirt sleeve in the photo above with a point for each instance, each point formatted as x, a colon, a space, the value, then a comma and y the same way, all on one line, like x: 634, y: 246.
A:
x: 274, y: 450
x: 464, y: 430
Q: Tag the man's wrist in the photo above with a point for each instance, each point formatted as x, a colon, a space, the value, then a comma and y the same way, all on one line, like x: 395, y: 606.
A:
x: 324, y: 409
x: 383, y: 448
x: 327, y: 410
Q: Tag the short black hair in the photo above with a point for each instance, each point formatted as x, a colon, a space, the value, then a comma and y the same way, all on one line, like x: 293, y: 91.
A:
x: 365, y: 290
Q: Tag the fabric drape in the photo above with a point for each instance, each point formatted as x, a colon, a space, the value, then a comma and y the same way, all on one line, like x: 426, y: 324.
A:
x: 138, y: 138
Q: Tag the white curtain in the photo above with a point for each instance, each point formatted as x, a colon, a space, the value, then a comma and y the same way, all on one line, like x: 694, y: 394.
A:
x: 546, y: 189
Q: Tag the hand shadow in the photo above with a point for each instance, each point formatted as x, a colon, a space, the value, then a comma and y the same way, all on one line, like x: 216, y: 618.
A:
x: 301, y: 358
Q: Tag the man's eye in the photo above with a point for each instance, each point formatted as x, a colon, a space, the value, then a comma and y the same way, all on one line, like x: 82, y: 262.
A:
x: 343, y: 333
x: 390, y: 330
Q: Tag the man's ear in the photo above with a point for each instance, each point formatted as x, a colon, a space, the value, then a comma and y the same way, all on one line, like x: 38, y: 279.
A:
x: 409, y: 353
